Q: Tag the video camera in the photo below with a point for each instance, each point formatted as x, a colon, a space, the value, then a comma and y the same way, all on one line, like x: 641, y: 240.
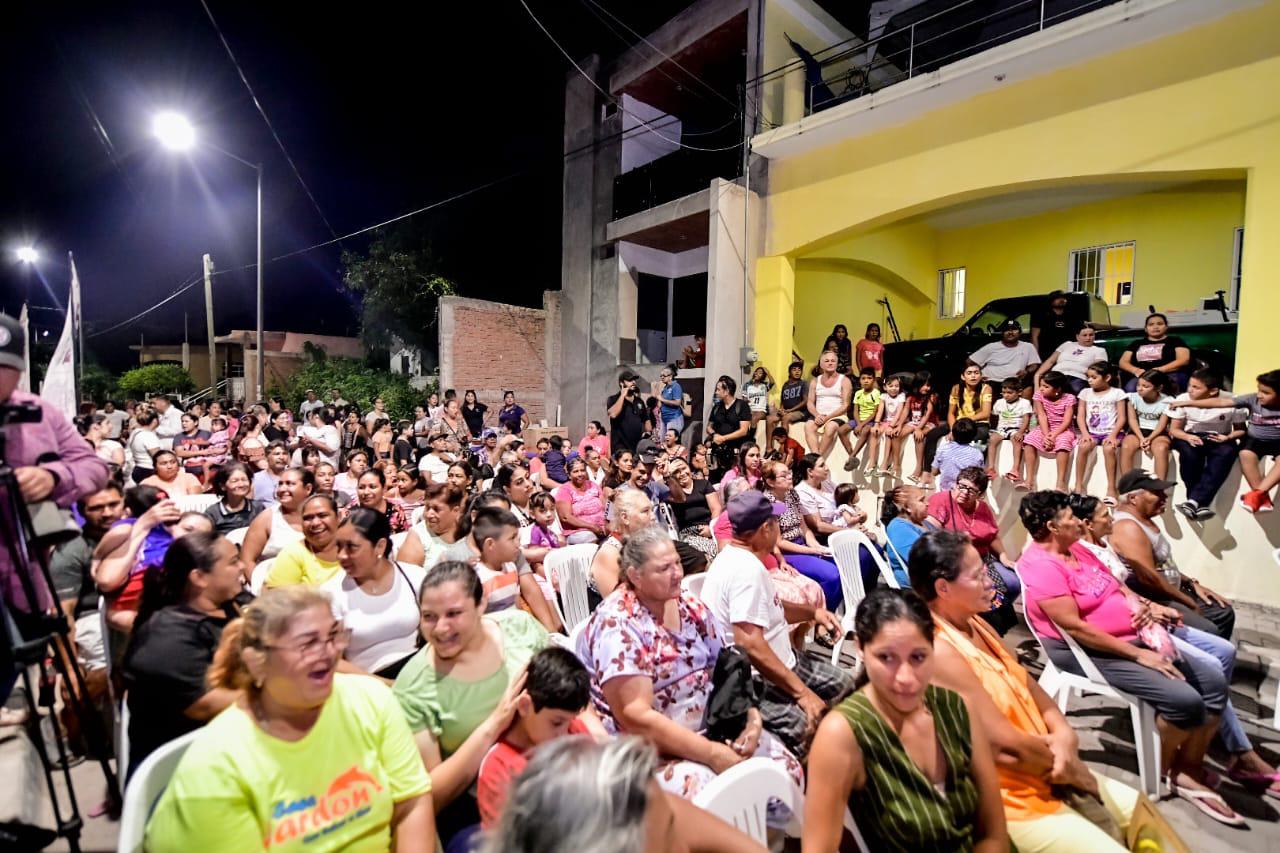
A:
x: 20, y: 413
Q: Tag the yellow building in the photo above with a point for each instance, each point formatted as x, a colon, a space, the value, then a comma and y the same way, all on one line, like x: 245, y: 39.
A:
x: 1125, y: 148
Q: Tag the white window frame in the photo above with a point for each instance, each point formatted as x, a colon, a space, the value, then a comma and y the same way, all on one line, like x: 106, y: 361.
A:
x: 949, y: 309
x: 1096, y: 284
x: 1233, y: 282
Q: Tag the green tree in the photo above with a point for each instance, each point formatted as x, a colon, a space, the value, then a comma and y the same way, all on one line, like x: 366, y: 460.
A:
x: 96, y: 382
x: 399, y: 283
x: 358, y: 382
x: 156, y: 378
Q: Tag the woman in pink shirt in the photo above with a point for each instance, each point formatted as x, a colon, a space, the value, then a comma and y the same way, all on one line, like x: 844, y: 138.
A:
x: 580, y: 504
x: 1067, y: 588
x: 596, y: 438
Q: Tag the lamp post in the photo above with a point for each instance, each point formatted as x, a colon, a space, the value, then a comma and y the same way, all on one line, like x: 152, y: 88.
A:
x: 177, y: 134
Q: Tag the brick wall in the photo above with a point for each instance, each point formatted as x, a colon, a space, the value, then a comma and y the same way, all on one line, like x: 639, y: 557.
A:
x: 493, y: 347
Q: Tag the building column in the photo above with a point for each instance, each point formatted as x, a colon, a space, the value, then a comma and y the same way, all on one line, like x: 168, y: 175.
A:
x: 775, y: 317
x: 1259, y: 276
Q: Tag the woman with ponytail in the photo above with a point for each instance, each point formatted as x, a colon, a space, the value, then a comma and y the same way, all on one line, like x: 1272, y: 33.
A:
x: 186, y: 602
x: 306, y: 757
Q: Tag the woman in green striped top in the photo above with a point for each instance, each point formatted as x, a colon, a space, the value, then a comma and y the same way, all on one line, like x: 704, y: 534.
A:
x: 900, y: 753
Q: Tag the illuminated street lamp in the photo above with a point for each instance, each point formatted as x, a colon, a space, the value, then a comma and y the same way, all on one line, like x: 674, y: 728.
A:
x: 176, y: 133
x: 27, y: 254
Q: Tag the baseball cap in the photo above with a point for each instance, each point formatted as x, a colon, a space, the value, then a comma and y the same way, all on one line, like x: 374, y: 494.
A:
x: 749, y: 511
x: 1139, y: 480
x: 11, y: 343
x: 1008, y: 325
x: 489, y: 432
x: 628, y: 376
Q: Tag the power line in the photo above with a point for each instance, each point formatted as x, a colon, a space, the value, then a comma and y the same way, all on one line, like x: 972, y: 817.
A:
x: 253, y: 97
x: 616, y: 102
x: 659, y: 51
x: 183, y: 288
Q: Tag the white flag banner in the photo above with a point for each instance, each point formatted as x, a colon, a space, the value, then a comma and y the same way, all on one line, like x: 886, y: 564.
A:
x: 59, y: 386
x: 24, y: 381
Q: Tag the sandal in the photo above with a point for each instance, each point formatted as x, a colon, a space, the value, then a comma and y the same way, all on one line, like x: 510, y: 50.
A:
x: 1109, y: 501
x: 1013, y: 478
x: 1202, y: 799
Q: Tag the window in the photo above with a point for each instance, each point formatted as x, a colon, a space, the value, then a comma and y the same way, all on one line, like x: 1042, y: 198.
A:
x: 1104, y: 271
x: 951, y: 292
x: 1237, y: 251
x: 669, y: 312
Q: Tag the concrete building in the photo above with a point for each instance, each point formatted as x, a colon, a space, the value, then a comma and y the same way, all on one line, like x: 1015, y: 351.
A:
x: 659, y: 237
x: 931, y: 155
x: 1123, y: 148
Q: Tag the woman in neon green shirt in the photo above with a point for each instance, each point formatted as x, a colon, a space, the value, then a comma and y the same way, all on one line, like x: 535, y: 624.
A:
x: 314, y: 560
x: 307, y: 759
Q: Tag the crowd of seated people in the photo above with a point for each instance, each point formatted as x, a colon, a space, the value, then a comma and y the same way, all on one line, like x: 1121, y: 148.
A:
x: 410, y: 612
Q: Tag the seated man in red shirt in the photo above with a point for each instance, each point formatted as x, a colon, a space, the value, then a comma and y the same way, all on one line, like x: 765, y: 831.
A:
x: 788, y: 448
x: 557, y: 690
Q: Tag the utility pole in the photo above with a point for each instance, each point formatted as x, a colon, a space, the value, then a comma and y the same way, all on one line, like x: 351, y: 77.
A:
x: 186, y: 345
x: 208, y: 320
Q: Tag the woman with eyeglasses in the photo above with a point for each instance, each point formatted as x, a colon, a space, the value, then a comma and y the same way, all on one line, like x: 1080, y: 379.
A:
x: 964, y: 509
x: 671, y: 401
x: 306, y: 757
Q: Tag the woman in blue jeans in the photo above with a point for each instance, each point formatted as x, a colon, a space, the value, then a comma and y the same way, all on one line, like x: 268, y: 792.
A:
x: 800, y: 546
x: 671, y: 401
x: 1245, y: 765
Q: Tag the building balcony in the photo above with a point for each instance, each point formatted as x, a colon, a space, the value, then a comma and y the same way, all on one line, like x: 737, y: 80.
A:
x: 936, y: 53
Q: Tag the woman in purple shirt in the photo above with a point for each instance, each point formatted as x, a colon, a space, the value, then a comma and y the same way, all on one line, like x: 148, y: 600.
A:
x: 512, y: 416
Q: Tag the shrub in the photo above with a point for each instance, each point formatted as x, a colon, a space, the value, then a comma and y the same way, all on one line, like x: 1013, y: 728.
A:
x: 358, y: 382
x: 156, y: 378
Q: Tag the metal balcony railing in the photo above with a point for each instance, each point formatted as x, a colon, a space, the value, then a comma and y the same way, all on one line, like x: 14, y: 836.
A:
x: 919, y: 40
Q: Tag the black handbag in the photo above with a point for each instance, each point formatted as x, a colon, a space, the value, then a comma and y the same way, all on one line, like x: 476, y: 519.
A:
x: 733, y: 693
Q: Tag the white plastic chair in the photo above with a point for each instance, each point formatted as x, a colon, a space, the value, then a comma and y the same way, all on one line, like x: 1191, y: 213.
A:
x: 195, y: 503
x: 259, y: 576
x: 692, y: 584
x: 844, y: 547
x: 741, y: 794
x: 145, y: 788
x: 570, y: 567
x: 852, y: 825
x: 122, y: 739
x: 397, y: 540
x: 236, y: 537
x: 890, y: 578
x: 1059, y: 685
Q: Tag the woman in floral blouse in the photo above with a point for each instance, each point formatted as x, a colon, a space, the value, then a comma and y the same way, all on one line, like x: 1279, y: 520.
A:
x: 651, y: 665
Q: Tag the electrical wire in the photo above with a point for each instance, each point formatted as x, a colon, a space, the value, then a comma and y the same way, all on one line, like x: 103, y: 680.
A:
x: 262, y: 112
x: 616, y: 102
x: 183, y: 288
x: 659, y: 51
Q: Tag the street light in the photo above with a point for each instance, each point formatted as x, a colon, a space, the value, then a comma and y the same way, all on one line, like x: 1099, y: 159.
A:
x: 176, y: 133
x: 27, y: 254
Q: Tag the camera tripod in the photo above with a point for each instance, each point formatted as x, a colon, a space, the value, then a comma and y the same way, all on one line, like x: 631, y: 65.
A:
x: 40, y: 638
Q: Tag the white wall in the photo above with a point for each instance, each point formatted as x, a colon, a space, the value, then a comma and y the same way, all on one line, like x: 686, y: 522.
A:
x: 736, y: 242
x: 641, y: 145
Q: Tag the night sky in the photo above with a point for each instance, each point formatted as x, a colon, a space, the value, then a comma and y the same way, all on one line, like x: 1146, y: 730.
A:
x: 384, y: 108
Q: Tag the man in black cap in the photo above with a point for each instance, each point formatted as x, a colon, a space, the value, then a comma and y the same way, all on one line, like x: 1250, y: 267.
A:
x: 741, y: 596
x: 51, y: 460
x: 628, y: 419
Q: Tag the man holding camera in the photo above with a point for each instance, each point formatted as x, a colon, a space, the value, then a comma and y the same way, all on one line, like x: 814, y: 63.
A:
x: 629, y: 420
x: 50, y: 459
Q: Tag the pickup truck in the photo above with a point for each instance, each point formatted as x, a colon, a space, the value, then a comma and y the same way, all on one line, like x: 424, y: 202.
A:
x: 1212, y: 344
